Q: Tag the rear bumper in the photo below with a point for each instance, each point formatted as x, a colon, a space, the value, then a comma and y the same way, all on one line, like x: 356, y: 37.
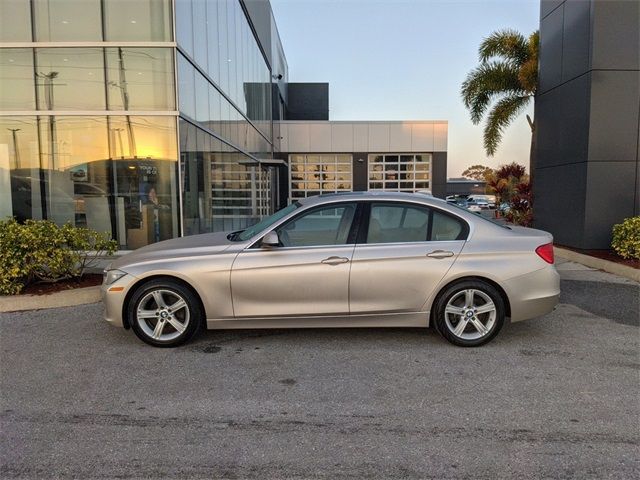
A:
x: 534, y: 294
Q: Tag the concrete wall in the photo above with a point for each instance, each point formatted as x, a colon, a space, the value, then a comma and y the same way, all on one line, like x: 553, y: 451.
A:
x: 587, y: 174
x: 374, y: 137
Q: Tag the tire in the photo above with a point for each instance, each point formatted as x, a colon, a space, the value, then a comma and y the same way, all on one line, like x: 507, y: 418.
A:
x: 169, y: 302
x: 482, y: 311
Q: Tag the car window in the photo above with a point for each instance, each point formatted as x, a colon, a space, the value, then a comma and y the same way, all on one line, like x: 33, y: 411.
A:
x: 327, y: 225
x: 397, y: 223
x: 445, y: 227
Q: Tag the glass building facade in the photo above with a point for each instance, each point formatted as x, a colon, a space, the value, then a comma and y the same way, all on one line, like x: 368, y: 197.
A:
x: 146, y: 119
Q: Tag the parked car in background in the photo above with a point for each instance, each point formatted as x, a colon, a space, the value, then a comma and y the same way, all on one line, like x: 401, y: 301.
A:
x: 343, y: 260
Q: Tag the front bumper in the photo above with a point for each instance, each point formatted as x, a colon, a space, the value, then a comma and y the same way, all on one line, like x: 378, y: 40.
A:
x: 533, y: 294
x: 113, y: 297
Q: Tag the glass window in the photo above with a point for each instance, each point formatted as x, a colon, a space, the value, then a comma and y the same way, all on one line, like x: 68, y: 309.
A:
x: 138, y: 20
x: 140, y: 79
x: 314, y: 174
x: 202, y: 98
x: 15, y: 21
x: 20, y: 193
x: 16, y: 79
x: 75, y: 150
x: 405, y: 173
x: 391, y: 223
x: 223, y: 51
x: 68, y: 20
x: 70, y: 79
x: 200, y: 54
x: 445, y: 227
x: 327, y: 225
x: 186, y: 87
x: 144, y: 186
x: 212, y: 41
x: 184, y: 25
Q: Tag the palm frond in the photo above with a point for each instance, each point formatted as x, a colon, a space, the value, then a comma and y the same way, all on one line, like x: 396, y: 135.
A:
x: 500, y: 117
x: 511, y: 45
x: 487, y: 81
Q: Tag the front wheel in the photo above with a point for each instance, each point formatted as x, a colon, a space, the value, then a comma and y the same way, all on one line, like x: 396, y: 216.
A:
x: 469, y: 313
x: 164, y: 313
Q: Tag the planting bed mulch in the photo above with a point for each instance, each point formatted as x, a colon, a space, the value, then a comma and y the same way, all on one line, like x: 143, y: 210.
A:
x: 87, y: 280
x: 607, y: 255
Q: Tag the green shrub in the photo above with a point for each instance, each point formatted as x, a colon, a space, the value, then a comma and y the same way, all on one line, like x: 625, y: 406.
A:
x: 40, y: 250
x: 626, y: 238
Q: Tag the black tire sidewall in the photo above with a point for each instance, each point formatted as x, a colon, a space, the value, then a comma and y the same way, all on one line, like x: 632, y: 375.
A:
x: 450, y: 291
x: 195, y: 311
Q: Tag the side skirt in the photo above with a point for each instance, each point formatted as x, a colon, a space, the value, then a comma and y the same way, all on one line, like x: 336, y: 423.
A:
x: 411, y: 319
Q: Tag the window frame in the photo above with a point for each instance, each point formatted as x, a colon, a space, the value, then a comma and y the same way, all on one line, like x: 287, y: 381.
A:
x: 363, y: 230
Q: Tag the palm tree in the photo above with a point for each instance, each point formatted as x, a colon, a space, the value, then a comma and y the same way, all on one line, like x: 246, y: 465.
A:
x: 507, y: 77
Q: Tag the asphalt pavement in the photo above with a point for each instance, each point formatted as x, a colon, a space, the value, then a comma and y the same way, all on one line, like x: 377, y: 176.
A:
x: 553, y: 397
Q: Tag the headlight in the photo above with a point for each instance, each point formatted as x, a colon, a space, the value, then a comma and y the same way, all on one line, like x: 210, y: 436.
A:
x: 111, y: 276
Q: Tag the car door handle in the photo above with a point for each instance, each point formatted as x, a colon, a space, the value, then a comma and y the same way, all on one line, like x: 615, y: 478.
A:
x: 440, y: 254
x: 335, y: 260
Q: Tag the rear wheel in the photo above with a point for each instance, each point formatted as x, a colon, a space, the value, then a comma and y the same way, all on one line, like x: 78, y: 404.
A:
x: 469, y: 313
x: 164, y: 313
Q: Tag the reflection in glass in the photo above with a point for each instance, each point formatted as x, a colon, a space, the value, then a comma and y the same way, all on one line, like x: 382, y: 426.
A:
x: 222, y: 188
x: 15, y: 21
x: 112, y: 174
x: 199, y: 12
x: 70, y: 79
x: 20, y: 194
x: 67, y: 20
x: 138, y: 20
x: 16, y: 79
x: 140, y: 78
x: 184, y: 25
x: 186, y: 86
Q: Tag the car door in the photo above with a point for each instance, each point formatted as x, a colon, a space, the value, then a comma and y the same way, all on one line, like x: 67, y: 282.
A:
x: 307, y: 274
x: 403, y: 252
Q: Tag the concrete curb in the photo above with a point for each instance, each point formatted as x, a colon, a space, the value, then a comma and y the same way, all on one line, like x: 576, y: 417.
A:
x: 66, y: 298
x: 599, y: 263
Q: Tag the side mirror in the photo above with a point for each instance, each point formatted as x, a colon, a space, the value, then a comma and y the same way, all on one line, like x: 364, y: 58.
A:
x: 270, y: 239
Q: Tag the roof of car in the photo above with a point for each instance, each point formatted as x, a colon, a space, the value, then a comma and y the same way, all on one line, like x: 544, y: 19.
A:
x: 423, y: 198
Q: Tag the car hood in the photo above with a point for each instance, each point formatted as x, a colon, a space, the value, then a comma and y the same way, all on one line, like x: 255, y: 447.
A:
x: 203, y: 244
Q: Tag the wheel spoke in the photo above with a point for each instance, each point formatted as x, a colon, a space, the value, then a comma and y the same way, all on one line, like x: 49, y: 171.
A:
x: 453, y: 310
x: 482, y: 330
x: 462, y: 324
x: 157, y: 331
x: 146, y: 314
x: 468, y: 298
x: 157, y: 296
x: 486, y: 308
x: 176, y: 324
x: 178, y: 305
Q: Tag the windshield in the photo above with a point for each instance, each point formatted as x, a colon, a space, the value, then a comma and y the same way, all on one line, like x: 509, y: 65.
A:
x: 263, y: 224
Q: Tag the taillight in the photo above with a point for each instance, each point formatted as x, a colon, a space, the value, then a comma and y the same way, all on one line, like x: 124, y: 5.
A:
x: 545, y: 252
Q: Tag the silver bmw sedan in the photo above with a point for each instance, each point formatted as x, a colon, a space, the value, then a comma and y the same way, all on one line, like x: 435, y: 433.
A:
x: 342, y: 260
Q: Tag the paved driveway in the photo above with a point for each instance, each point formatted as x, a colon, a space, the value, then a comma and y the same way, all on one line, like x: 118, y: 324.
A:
x: 556, y: 397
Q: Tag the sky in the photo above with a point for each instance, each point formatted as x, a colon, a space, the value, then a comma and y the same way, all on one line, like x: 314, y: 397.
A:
x: 404, y: 60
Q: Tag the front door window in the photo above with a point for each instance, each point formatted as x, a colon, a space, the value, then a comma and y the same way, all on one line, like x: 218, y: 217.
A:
x: 329, y: 225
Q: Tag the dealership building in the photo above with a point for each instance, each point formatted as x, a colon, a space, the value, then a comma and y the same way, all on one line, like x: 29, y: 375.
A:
x: 151, y: 119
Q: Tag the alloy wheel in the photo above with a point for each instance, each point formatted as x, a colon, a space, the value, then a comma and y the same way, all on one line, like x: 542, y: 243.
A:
x: 163, y: 315
x: 470, y: 314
